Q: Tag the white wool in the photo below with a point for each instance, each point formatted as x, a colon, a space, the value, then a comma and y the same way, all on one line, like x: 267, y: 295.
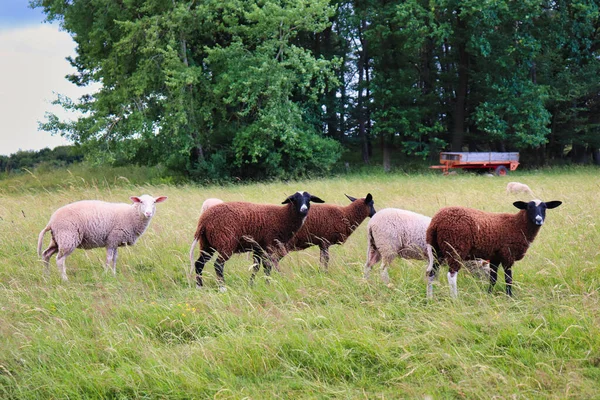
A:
x: 89, y: 224
x: 392, y: 233
x: 518, y: 187
x: 208, y: 203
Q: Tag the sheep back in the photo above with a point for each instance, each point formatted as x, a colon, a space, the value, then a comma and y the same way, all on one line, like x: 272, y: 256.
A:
x: 88, y: 224
x: 328, y: 224
x: 395, y: 232
x: 471, y: 233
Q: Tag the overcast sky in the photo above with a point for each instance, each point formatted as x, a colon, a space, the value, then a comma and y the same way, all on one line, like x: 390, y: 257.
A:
x: 32, y: 71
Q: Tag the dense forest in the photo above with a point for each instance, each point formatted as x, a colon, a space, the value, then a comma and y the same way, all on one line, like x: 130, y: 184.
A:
x: 268, y: 88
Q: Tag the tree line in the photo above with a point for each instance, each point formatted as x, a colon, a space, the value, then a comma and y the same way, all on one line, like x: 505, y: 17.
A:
x: 268, y: 88
x: 57, y: 157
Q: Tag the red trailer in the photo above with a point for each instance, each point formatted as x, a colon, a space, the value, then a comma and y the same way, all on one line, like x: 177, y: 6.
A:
x: 499, y: 163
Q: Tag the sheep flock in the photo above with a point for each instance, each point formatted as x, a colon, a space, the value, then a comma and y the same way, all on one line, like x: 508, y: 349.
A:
x: 456, y: 236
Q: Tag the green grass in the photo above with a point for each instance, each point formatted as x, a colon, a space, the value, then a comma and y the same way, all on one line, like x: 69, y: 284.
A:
x: 147, y: 333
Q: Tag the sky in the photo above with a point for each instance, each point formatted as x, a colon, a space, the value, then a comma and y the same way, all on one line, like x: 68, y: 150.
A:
x: 33, y: 67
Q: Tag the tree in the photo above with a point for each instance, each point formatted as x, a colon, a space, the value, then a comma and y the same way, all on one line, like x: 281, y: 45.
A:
x: 193, y: 85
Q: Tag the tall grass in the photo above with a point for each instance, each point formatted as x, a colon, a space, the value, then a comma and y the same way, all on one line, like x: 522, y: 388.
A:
x: 307, y: 334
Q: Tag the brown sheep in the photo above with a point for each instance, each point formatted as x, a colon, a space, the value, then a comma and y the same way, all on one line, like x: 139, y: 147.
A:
x: 459, y: 233
x: 238, y: 227
x: 329, y: 224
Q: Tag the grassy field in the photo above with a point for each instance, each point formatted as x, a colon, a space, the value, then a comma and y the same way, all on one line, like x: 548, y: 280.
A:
x: 147, y: 333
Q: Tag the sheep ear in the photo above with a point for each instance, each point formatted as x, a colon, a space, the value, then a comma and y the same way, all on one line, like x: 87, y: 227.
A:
x: 369, y: 198
x: 521, y: 205
x: 315, y: 199
x: 160, y: 199
x: 288, y: 200
x: 135, y: 199
x: 553, y: 204
x: 352, y: 199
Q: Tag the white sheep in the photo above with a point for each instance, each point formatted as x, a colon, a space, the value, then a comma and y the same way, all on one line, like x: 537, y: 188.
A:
x: 88, y: 224
x: 518, y: 187
x: 208, y: 203
x: 393, y: 232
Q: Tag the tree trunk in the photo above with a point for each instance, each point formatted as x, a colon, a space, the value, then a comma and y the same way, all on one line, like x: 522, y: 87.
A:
x: 461, y: 98
x: 362, y: 129
x: 387, y: 155
x: 596, y: 156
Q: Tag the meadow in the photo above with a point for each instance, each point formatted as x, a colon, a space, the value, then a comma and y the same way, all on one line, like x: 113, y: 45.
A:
x: 306, y: 333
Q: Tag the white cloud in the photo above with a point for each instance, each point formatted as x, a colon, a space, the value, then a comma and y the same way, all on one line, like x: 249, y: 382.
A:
x: 33, y: 67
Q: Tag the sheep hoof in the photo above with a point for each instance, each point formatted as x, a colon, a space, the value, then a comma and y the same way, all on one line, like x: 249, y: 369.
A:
x: 222, y: 289
x: 199, y: 287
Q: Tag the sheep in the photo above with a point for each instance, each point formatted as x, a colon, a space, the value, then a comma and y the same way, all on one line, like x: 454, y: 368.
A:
x: 329, y: 224
x: 237, y: 227
x: 517, y: 187
x: 88, y: 224
x: 459, y: 233
x: 393, y: 232
x: 209, y: 203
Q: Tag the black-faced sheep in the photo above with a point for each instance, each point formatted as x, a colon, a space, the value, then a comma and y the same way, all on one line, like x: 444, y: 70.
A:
x: 237, y: 227
x: 393, y: 232
x: 89, y: 224
x: 329, y: 224
x: 458, y: 233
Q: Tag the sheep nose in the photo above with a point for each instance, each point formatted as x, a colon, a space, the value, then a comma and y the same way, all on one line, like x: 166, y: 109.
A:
x: 148, y: 213
x: 303, y: 208
x: 539, y: 220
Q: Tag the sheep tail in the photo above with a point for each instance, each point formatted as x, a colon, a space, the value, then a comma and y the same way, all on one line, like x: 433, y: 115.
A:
x: 192, y: 262
x: 41, y: 240
x: 429, y: 258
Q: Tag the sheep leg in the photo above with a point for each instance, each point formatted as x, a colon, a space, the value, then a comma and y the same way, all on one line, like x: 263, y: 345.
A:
x: 454, y: 266
x: 452, y: 275
x: 60, y: 262
x: 205, y: 256
x: 255, y: 266
x: 373, y: 257
x: 493, y: 276
x: 111, y: 260
x: 385, y: 276
x: 432, y: 270
x: 53, y: 248
x: 325, y: 257
x: 508, y: 278
x: 219, y: 267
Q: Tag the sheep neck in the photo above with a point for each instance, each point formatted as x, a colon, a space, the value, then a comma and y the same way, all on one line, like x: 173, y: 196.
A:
x: 354, y: 214
x: 529, y: 229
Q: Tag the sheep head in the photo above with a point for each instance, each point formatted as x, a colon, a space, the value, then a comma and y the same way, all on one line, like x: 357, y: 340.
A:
x: 301, y: 201
x: 368, y: 201
x: 146, y: 204
x: 536, y: 209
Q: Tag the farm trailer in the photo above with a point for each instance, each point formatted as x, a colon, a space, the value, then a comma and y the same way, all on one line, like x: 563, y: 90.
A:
x: 499, y: 163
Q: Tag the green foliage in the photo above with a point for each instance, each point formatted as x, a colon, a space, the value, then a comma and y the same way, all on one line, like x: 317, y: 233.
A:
x: 207, y: 88
x: 59, y: 156
x: 180, y: 80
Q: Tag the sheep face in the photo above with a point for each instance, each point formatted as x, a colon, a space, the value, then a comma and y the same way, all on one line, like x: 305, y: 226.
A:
x: 301, y: 202
x: 146, y: 204
x: 536, y: 210
x: 368, y: 201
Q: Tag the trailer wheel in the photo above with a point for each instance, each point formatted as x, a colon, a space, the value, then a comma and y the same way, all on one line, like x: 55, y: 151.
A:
x: 501, y: 171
